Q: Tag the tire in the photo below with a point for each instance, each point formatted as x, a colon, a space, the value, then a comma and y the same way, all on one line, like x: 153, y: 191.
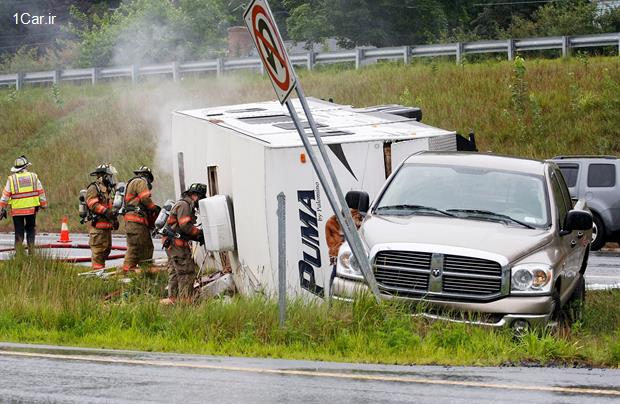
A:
x: 573, y: 310
x: 598, y: 233
x: 557, y: 315
x: 584, y: 264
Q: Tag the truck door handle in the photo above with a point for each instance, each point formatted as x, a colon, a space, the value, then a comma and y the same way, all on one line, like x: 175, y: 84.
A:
x: 573, y: 243
x: 580, y: 234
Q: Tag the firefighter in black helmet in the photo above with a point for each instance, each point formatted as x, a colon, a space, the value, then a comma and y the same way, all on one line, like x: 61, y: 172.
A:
x: 181, y: 229
x: 99, y: 203
x: 140, y: 215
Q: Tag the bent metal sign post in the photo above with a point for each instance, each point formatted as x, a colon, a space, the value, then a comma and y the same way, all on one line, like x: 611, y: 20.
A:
x: 264, y: 32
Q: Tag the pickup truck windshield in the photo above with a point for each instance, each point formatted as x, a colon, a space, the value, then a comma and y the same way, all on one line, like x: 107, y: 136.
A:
x: 467, y: 192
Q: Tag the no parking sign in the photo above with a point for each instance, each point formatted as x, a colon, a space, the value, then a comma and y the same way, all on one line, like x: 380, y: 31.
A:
x: 264, y: 31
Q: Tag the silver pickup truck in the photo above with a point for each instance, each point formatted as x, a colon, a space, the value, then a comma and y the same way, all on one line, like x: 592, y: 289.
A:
x: 480, y: 238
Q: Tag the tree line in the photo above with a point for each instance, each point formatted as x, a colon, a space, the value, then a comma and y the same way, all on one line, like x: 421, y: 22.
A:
x: 115, y: 32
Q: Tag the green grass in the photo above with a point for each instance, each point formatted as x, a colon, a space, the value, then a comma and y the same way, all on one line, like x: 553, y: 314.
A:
x: 46, y: 302
x: 561, y: 106
x: 552, y: 107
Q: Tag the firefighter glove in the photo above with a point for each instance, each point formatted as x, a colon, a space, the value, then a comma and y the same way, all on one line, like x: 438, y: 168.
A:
x: 201, y: 239
x: 3, y: 213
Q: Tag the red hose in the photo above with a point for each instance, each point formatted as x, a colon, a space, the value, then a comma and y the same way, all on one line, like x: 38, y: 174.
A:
x: 87, y: 259
x: 74, y: 245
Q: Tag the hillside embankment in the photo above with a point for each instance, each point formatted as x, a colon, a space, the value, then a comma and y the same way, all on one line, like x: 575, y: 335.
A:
x: 538, y: 109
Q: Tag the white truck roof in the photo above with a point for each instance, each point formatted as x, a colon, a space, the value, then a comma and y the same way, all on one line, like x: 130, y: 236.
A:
x: 269, y: 123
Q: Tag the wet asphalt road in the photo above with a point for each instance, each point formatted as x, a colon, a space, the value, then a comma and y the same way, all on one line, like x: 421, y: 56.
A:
x: 31, y: 373
x: 6, y: 240
x: 603, y: 270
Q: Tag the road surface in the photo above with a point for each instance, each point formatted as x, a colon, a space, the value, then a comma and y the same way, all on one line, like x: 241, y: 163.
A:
x: 31, y: 373
x: 7, y: 240
x: 603, y: 270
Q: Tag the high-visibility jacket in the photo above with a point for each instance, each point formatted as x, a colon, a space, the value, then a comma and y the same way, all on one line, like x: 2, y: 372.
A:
x: 24, y: 193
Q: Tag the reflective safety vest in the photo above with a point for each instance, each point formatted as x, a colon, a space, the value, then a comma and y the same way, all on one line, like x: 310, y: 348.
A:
x: 24, y: 194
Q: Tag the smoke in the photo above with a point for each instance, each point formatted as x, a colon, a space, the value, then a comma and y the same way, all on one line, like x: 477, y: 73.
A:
x: 154, y: 100
x: 162, y: 31
x: 156, y: 31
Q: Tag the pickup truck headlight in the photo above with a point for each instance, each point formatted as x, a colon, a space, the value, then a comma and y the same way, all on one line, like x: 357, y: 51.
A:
x: 347, y: 266
x: 531, y: 278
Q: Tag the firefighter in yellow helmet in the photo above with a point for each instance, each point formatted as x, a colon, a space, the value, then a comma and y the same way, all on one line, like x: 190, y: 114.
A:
x: 24, y: 193
x: 102, y: 216
x: 140, y: 215
x: 180, y: 229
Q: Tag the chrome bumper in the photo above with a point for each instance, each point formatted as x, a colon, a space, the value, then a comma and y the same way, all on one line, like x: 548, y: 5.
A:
x: 537, y: 309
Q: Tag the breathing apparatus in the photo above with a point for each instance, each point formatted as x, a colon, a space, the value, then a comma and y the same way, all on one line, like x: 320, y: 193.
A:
x: 83, y: 210
x: 119, y: 198
x: 162, y: 218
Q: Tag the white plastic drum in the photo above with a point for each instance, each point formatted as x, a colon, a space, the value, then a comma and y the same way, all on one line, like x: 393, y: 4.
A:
x: 217, y: 223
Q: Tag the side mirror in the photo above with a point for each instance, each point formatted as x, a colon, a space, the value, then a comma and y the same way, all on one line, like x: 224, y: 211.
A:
x: 577, y: 220
x: 358, y: 200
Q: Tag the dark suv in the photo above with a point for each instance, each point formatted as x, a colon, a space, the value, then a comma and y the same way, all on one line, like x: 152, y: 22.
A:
x: 597, y: 180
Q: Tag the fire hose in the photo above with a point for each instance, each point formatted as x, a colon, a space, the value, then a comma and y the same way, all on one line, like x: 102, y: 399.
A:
x: 76, y: 246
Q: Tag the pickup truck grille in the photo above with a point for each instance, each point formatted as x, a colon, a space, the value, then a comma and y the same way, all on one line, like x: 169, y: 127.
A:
x: 413, y: 273
x: 403, y: 269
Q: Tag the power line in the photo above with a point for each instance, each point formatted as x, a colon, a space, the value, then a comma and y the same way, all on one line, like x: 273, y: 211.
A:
x: 511, y: 3
x: 517, y: 2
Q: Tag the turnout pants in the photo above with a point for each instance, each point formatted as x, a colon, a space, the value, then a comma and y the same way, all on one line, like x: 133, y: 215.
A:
x: 27, y: 224
x: 182, y: 272
x: 100, y: 241
x: 139, y: 245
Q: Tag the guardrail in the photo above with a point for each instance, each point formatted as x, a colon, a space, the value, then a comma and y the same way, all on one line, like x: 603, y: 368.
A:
x: 361, y: 56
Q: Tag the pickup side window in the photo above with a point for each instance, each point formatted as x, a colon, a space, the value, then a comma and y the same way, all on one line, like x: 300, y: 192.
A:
x: 601, y: 175
x: 570, y: 173
x: 561, y: 204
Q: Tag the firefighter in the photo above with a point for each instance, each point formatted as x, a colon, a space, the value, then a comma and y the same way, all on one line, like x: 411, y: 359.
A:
x: 25, y: 194
x: 140, y: 215
x: 180, y: 229
x: 104, y: 217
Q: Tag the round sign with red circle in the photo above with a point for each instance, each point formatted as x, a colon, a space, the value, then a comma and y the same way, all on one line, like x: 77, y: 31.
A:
x: 268, y: 42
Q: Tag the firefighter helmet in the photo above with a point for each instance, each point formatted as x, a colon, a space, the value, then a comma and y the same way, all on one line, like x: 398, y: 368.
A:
x: 198, y: 189
x: 107, y: 172
x: 104, y: 169
x: 20, y: 163
x: 145, y: 172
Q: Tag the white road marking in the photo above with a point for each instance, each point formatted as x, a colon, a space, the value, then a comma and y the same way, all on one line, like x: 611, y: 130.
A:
x: 400, y: 379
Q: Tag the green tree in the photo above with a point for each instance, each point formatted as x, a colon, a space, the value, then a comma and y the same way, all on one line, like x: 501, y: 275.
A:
x: 609, y: 20
x: 493, y: 21
x: 561, y: 18
x: 152, y: 31
x: 366, y: 22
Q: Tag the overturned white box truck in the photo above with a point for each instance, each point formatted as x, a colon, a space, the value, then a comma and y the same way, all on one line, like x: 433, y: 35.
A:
x: 252, y: 152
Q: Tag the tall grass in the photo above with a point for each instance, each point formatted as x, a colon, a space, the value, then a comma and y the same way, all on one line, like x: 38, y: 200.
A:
x: 544, y: 108
x: 42, y: 301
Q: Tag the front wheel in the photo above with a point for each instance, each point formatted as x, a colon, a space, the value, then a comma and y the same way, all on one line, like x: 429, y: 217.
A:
x: 574, y: 308
x: 598, y: 233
